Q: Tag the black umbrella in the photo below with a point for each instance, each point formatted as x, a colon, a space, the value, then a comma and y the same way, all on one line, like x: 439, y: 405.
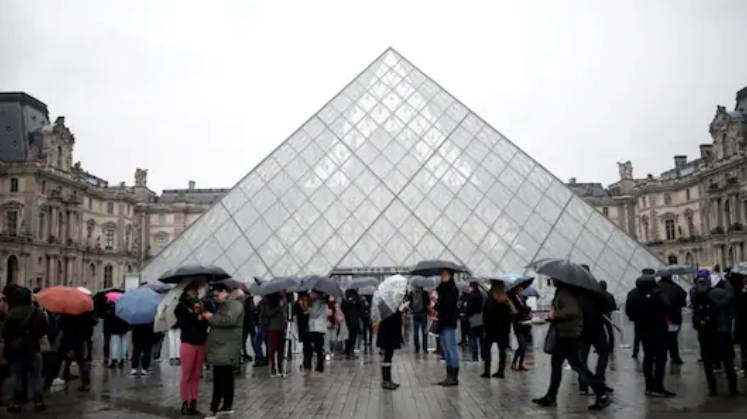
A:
x: 209, y: 273
x: 322, y: 284
x: 367, y: 290
x: 158, y: 287
x: 427, y: 283
x: 277, y: 284
x: 233, y: 284
x: 435, y: 267
x: 670, y: 270
x: 100, y: 305
x: 365, y: 281
x: 567, y: 272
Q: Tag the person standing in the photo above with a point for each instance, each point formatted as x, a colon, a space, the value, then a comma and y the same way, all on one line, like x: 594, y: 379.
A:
x: 473, y: 313
x: 301, y: 313
x: 448, y: 314
x: 419, y: 301
x: 366, y: 322
x: 317, y: 331
x: 677, y: 301
x: 119, y: 339
x: 739, y: 284
x: 497, y: 317
x: 224, y: 347
x: 75, y: 329
x: 24, y: 327
x: 276, y: 326
x: 260, y: 341
x: 249, y: 330
x: 567, y: 317
x: 388, y: 339
x: 351, y: 311
x: 522, y: 330
x: 142, y: 347
x: 648, y: 307
x: 712, y: 301
x: 192, y: 328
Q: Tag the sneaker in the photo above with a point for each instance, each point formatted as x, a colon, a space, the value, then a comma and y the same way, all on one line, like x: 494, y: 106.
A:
x: 58, y: 382
x: 211, y: 415
x: 134, y: 372
x: 146, y: 372
x: 228, y: 411
x: 601, y: 403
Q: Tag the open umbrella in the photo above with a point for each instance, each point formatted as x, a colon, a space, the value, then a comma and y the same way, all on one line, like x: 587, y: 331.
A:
x: 165, y: 317
x: 388, y: 296
x: 427, y: 283
x: 113, y: 296
x: 100, y: 302
x: 367, y: 290
x: 321, y: 284
x: 234, y: 284
x: 670, y: 270
x: 84, y: 290
x: 158, y: 287
x: 138, y: 306
x: 277, y: 284
x: 255, y: 285
x: 567, y: 272
x: 65, y: 300
x: 435, y: 267
x: 208, y: 273
x: 530, y: 291
x: 361, y: 282
x: 514, y: 280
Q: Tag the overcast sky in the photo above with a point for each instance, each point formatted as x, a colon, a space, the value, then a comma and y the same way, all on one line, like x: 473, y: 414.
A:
x: 204, y: 90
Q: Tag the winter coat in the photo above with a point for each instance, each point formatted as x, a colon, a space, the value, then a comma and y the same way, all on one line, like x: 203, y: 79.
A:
x: 224, y: 341
x: 648, y: 307
x: 117, y: 326
x: 302, y: 319
x: 712, y: 306
x: 474, y: 304
x: 390, y: 332
x: 21, y: 336
x: 77, y: 328
x: 677, y: 298
x: 446, y: 305
x: 318, y: 316
x: 569, y: 317
x: 523, y: 313
x: 193, y: 329
x: 250, y: 315
x: 143, y: 335
x: 740, y: 303
x: 497, y: 318
x: 276, y: 316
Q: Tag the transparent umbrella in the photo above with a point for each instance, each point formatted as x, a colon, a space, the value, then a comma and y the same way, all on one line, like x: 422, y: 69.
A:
x: 388, y: 296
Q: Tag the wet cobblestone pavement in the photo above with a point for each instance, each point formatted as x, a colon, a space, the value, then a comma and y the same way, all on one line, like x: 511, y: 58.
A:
x: 351, y: 389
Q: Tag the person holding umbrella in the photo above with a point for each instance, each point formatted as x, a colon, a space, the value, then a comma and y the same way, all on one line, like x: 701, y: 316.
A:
x: 677, y: 300
x: 389, y: 306
x: 138, y: 307
x: 193, y: 334
x: 224, y: 347
x: 521, y: 326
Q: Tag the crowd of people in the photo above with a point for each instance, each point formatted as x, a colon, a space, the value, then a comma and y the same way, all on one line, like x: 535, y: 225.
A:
x: 219, y: 330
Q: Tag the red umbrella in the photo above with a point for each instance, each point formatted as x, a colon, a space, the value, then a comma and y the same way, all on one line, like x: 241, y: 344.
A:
x: 65, y: 300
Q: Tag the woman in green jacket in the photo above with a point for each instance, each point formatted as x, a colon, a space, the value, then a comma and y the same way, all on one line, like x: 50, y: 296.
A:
x: 224, y: 346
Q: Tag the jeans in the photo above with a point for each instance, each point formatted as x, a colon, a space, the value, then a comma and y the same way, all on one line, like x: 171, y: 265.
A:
x: 118, y: 349
x: 654, y: 360
x: 476, y: 340
x: 29, y: 370
x: 568, y: 349
x: 222, y: 388
x: 316, y: 340
x: 77, y: 348
x: 602, y: 349
x: 420, y: 328
x: 260, y: 339
x: 523, y: 341
x: 449, y: 347
x: 367, y: 332
x: 192, y: 357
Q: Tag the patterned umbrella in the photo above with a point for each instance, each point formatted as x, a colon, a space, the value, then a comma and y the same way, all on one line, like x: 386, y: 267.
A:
x: 165, y: 317
x: 388, y: 296
x: 65, y: 300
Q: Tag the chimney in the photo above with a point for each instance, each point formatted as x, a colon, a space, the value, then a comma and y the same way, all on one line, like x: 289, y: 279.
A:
x: 706, y: 151
x: 650, y: 176
x: 572, y: 181
x: 191, y: 184
x: 679, y: 163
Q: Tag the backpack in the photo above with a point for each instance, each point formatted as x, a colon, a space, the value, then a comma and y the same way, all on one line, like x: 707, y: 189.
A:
x: 418, y: 305
x: 704, y: 311
x: 20, y: 347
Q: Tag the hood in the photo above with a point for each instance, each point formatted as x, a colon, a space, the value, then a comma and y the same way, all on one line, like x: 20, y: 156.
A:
x: 645, y: 282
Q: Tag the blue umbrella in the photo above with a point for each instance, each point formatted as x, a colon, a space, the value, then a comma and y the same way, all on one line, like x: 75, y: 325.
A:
x: 138, y: 306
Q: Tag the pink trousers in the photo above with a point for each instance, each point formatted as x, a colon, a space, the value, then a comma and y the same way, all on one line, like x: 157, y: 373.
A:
x: 192, y: 357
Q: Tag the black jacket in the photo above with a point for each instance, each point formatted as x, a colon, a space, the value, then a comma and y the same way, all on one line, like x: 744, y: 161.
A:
x: 390, y: 332
x: 648, y: 308
x: 740, y: 303
x: 302, y: 319
x: 350, y: 308
x: 474, y: 304
x: 446, y: 306
x: 677, y: 298
x: 116, y: 325
x: 25, y: 334
x: 143, y: 335
x: 497, y: 318
x: 193, y: 330
x: 77, y: 328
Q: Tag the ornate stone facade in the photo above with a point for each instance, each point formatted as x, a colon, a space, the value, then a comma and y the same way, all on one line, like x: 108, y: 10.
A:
x: 694, y: 213
x: 62, y: 225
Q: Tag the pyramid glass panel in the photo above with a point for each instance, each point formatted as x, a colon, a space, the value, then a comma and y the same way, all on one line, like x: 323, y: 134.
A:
x: 392, y: 170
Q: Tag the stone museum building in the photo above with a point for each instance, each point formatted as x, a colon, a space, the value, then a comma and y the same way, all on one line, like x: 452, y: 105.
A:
x: 694, y: 213
x: 60, y: 224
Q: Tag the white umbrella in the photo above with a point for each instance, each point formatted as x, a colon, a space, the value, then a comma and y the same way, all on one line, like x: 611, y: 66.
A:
x: 165, y: 317
x: 388, y: 296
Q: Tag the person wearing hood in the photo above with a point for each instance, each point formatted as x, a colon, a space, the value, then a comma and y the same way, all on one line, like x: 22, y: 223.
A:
x: 567, y: 319
x: 648, y: 307
x: 712, y: 300
x: 447, y: 316
x: 678, y: 300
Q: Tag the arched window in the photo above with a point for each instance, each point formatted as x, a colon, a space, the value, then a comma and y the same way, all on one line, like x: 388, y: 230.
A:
x: 59, y: 157
x: 61, y: 280
x: 92, y: 274
x: 12, y: 270
x: 689, y: 259
x: 672, y: 259
x: 108, y: 273
x: 730, y: 256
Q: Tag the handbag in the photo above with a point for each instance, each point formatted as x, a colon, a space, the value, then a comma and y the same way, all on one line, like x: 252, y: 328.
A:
x: 551, y: 340
x: 475, y: 320
x: 433, y: 329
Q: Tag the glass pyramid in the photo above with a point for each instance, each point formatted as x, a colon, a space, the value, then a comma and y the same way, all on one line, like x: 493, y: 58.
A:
x: 391, y: 171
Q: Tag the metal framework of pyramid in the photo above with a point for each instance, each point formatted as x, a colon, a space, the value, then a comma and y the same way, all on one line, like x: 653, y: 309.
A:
x: 391, y: 171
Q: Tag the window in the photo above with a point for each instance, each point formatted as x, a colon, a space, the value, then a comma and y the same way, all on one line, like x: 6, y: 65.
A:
x: 109, y: 239
x: 128, y: 234
x: 606, y: 211
x: 672, y: 259
x: 108, y: 274
x: 687, y: 194
x: 90, y: 203
x: 14, y: 184
x: 669, y: 226
x: 161, y: 219
x: 59, y: 157
x: 42, y: 225
x: 11, y: 223
x: 44, y: 187
x: 110, y: 208
x: 667, y: 198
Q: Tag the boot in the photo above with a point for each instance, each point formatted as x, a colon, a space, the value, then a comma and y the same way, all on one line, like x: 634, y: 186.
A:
x: 486, y: 371
x: 601, y: 402
x: 501, y: 369
x: 452, y: 378
x: 185, y: 408
x: 448, y: 375
x: 386, y: 379
x: 192, y: 411
x: 545, y: 401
